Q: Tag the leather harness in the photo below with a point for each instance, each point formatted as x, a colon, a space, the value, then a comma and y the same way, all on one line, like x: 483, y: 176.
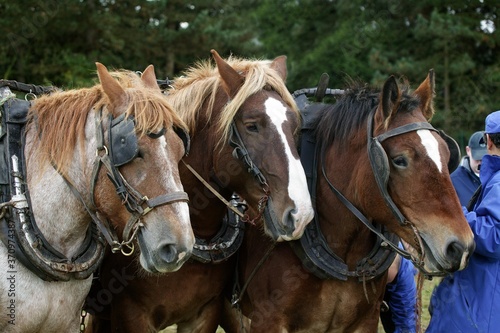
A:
x: 312, y: 248
x: 19, y: 231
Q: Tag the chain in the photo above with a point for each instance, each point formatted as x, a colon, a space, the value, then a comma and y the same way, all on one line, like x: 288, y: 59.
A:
x: 83, y: 315
x: 260, y: 207
x: 4, y: 205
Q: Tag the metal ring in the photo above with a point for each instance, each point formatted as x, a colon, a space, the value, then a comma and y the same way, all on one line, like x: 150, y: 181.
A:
x: 29, y: 96
x: 103, y: 148
x: 131, y: 246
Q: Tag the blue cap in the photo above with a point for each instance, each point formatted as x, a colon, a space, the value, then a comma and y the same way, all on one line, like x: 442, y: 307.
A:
x: 493, y: 123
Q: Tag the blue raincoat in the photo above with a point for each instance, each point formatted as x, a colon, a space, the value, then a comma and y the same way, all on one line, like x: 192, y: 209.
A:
x: 465, y: 181
x: 469, y: 300
x: 401, y: 296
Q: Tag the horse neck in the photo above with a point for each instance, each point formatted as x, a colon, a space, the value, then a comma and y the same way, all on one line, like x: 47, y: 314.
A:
x: 347, y: 236
x: 59, y: 214
x: 206, y: 210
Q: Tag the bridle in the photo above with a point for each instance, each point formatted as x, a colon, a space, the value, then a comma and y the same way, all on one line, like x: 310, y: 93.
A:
x: 240, y: 152
x: 381, y: 171
x: 32, y: 248
x: 123, y: 148
x: 19, y: 227
x: 312, y: 248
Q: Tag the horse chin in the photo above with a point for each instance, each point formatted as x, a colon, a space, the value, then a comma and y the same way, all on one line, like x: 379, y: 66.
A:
x: 431, y: 266
x: 277, y: 233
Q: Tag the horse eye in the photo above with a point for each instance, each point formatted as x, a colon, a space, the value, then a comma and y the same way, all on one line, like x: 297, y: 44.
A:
x: 400, y: 162
x: 252, y: 127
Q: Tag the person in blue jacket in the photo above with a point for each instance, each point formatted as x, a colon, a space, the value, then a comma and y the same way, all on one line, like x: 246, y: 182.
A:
x: 465, y: 178
x: 469, y: 300
x: 400, y: 299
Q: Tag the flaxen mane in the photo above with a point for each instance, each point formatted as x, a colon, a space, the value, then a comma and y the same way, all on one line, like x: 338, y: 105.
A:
x: 202, y: 81
x: 60, y: 118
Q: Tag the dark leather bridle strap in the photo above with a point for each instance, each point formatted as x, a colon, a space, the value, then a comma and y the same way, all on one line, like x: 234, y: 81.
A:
x: 405, y: 129
x: 381, y: 180
x: 133, y: 200
x: 241, y: 152
x: 364, y: 219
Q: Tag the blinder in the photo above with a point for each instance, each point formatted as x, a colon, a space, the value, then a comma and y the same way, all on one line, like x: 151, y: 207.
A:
x: 454, y: 148
x: 123, y: 140
x: 380, y: 162
x: 186, y: 140
x: 124, y: 146
x: 378, y: 157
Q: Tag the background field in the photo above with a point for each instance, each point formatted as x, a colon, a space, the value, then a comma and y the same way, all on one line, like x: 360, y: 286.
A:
x: 426, y: 295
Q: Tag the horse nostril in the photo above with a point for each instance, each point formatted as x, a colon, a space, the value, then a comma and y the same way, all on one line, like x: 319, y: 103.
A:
x: 168, y: 253
x: 289, y: 219
x: 455, y: 252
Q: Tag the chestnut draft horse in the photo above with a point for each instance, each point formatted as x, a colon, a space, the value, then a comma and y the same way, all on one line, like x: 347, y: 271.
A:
x: 84, y: 170
x: 377, y: 167
x: 242, y: 122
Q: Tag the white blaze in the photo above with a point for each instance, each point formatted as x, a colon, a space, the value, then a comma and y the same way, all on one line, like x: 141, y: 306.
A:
x: 431, y: 146
x: 297, y: 183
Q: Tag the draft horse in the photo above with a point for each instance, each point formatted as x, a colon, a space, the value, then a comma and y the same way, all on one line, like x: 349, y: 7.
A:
x: 92, y: 163
x: 242, y: 122
x: 377, y: 169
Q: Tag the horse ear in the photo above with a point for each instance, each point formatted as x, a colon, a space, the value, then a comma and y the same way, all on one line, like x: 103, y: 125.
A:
x: 231, y: 80
x: 425, y: 93
x: 389, y: 99
x: 279, y: 65
x: 110, y: 86
x: 148, y: 77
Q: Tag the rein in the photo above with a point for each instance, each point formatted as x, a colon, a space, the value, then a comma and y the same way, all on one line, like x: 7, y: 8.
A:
x: 229, y: 238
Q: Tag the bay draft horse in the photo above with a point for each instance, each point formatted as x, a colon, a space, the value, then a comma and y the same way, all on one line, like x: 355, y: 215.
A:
x: 378, y: 169
x: 97, y: 160
x: 242, y: 122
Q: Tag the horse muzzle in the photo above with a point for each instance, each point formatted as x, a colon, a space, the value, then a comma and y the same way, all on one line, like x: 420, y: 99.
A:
x: 290, y: 227
x: 167, y: 256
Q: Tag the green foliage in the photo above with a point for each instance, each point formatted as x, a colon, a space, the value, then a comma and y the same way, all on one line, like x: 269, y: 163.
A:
x: 58, y: 42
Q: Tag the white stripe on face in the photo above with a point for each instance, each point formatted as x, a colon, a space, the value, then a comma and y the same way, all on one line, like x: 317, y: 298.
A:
x: 297, y: 184
x: 431, y: 146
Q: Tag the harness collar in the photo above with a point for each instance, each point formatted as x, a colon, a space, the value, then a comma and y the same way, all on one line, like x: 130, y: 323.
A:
x: 312, y: 248
x: 19, y: 231
x: 227, y: 241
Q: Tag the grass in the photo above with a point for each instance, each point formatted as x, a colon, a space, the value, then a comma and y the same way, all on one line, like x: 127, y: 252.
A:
x: 426, y: 296
x: 425, y: 317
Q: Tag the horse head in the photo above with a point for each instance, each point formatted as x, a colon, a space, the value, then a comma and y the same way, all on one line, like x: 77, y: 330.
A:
x: 260, y: 124
x: 145, y: 150
x: 416, y: 176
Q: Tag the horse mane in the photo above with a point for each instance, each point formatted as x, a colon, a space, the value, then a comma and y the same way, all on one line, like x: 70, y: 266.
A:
x: 341, y: 121
x: 60, y: 117
x: 202, y: 81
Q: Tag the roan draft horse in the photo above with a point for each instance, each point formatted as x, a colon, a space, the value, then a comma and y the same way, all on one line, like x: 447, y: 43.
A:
x: 242, y: 122
x: 376, y: 168
x: 94, y: 163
